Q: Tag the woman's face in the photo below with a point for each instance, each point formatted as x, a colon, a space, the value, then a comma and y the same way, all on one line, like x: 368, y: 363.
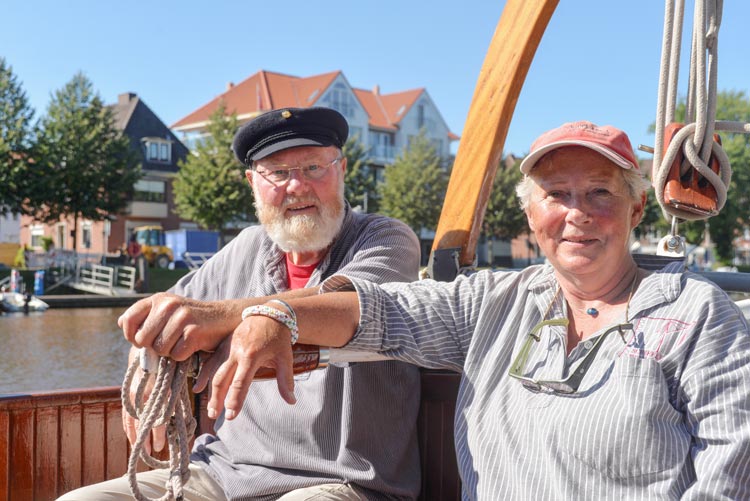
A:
x: 581, y: 211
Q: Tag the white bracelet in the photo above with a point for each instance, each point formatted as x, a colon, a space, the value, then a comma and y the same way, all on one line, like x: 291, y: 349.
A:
x: 278, y: 315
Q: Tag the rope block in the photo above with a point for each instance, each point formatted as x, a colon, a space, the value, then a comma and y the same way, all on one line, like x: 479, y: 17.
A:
x: 689, y: 191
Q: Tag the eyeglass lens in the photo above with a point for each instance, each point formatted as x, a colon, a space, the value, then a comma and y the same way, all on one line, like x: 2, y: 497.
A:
x: 282, y: 173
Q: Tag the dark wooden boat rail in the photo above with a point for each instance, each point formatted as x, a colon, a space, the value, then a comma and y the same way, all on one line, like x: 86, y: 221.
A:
x: 53, y: 442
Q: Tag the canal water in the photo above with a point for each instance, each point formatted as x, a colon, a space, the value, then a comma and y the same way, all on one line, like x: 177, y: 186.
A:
x: 61, y: 349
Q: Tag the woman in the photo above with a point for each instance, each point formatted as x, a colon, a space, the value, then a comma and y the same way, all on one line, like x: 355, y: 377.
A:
x: 585, y: 378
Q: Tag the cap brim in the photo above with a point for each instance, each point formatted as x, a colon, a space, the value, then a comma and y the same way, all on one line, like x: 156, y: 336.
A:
x: 530, y: 161
x: 288, y: 143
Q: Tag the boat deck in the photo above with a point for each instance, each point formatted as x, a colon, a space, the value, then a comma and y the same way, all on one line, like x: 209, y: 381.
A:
x: 51, y: 443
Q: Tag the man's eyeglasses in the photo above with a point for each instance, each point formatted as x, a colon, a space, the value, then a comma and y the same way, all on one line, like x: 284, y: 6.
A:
x: 570, y: 384
x: 280, y: 174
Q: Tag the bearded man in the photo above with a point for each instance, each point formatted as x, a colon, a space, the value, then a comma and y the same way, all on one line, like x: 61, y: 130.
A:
x: 352, y: 432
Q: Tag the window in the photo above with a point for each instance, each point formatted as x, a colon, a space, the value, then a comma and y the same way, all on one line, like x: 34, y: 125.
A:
x: 356, y: 132
x: 60, y: 231
x: 149, y: 191
x: 424, y: 120
x: 157, y: 149
x: 37, y: 232
x: 382, y: 145
x: 86, y: 234
x: 340, y: 99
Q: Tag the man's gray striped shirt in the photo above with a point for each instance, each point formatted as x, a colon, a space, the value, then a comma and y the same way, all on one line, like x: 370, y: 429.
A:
x: 344, y: 415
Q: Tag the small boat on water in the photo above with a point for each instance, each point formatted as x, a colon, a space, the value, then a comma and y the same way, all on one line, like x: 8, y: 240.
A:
x: 13, y: 302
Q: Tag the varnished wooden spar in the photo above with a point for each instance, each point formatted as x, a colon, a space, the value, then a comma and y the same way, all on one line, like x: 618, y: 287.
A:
x: 504, y: 70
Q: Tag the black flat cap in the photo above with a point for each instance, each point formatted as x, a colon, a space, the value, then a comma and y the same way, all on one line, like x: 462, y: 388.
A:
x: 284, y: 128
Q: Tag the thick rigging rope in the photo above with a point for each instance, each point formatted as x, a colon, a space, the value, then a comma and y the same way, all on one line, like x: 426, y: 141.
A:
x: 695, y: 140
x: 168, y: 404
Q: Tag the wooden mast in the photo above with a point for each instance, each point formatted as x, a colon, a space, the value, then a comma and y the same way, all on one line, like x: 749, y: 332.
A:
x: 500, y: 80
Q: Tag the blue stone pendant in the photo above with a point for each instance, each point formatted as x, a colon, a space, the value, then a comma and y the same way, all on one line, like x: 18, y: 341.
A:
x: 592, y: 311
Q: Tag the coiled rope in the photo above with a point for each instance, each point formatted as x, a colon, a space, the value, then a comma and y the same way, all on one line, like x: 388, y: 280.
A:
x: 168, y: 404
x: 696, y: 138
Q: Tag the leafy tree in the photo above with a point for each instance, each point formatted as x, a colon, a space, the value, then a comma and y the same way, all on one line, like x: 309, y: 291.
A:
x: 84, y: 166
x: 504, y: 219
x: 414, y: 187
x: 653, y: 219
x: 360, y: 179
x: 15, y: 140
x: 210, y: 187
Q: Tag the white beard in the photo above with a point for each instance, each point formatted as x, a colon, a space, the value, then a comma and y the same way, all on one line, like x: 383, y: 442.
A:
x: 303, y: 233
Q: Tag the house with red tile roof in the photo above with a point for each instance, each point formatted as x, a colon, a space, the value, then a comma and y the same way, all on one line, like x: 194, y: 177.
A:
x: 384, y: 123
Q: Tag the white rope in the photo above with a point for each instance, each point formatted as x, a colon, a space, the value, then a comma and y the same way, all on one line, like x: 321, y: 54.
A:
x: 695, y: 140
x: 168, y: 404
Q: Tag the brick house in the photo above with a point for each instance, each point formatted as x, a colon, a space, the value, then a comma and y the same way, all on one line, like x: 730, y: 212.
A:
x: 153, y: 202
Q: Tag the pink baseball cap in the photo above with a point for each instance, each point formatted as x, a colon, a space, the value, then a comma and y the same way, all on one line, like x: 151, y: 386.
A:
x: 607, y: 140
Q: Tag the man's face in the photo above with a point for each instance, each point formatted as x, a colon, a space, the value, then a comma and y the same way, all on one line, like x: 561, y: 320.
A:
x: 301, y: 214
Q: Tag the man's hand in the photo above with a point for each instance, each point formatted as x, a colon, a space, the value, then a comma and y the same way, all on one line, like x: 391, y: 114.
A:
x: 176, y: 326
x: 210, y: 363
x: 257, y: 342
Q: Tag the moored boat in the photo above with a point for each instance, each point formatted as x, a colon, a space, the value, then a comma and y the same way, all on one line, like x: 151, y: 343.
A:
x: 13, y: 302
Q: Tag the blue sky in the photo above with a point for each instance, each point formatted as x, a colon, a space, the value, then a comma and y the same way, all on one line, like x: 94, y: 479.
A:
x: 598, y: 60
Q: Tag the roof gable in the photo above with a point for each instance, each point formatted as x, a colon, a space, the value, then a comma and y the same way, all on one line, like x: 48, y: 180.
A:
x: 263, y: 91
x: 138, y: 122
x: 267, y: 90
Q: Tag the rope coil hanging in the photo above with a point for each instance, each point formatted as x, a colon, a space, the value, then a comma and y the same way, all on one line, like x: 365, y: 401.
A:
x: 168, y: 404
x: 694, y: 145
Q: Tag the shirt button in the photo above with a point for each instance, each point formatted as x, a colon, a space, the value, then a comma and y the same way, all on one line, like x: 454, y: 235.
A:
x: 588, y: 345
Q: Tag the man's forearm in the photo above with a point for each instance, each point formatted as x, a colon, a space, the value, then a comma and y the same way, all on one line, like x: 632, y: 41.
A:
x: 177, y: 326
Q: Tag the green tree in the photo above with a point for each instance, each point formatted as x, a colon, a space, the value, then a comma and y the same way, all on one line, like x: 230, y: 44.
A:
x: 210, y: 187
x: 653, y: 219
x: 413, y: 189
x: 84, y: 166
x: 360, y: 184
x: 15, y: 141
x: 504, y: 219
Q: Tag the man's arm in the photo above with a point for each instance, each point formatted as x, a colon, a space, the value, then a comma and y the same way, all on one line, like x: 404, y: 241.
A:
x: 325, y: 320
x: 177, y: 326
x: 385, y: 250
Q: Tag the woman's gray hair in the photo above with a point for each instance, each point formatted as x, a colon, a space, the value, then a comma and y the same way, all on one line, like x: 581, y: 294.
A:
x: 637, y: 185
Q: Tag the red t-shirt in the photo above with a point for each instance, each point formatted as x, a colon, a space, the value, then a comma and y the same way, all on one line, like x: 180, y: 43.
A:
x: 297, y: 276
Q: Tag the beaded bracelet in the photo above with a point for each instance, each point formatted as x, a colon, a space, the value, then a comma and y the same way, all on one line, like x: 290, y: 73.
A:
x: 278, y: 315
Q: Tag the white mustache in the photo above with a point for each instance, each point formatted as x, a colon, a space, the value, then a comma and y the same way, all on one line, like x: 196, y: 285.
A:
x: 289, y: 201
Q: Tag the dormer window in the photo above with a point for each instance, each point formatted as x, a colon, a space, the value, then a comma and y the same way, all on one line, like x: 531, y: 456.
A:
x: 158, y: 150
